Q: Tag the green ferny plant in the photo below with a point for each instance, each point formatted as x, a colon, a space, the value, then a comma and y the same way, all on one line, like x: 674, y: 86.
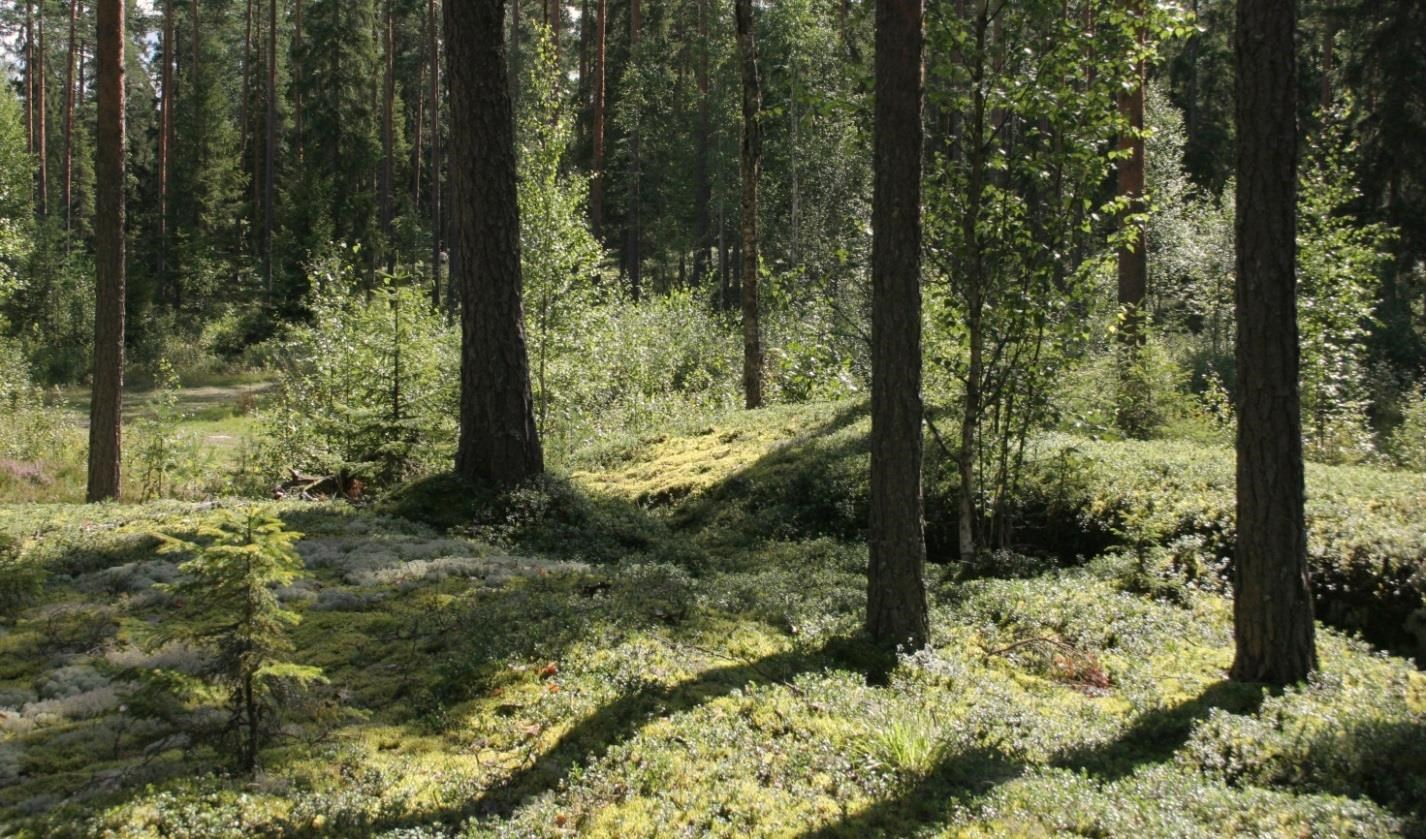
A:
x: 229, y: 607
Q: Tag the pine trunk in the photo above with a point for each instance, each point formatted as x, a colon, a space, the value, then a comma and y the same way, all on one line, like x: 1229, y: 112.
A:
x: 751, y: 173
x: 269, y: 174
x: 498, y: 439
x: 596, y: 180
x: 702, y: 187
x: 388, y: 140
x: 69, y: 96
x: 437, y: 228
x: 165, y: 146
x: 106, y: 403
x: 633, y: 255
x: 1133, y: 258
x: 896, y: 589
x: 1272, y: 605
x: 41, y: 138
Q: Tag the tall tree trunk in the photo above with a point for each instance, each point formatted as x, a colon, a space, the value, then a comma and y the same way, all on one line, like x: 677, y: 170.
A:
x: 896, y: 589
x: 596, y: 180
x: 296, y: 73
x: 972, y: 263
x: 437, y: 226
x: 388, y: 140
x: 498, y: 439
x: 702, y: 186
x: 30, y: 76
x: 269, y: 175
x: 1329, y: 39
x: 1133, y: 258
x: 41, y: 139
x: 106, y: 403
x: 1272, y: 603
x: 751, y: 172
x: 554, y: 19
x: 515, y: 50
x: 633, y: 256
x: 245, y: 107
x: 165, y: 147
x: 69, y: 96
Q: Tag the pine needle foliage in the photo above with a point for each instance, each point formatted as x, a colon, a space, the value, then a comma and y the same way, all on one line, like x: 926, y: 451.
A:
x: 228, y: 605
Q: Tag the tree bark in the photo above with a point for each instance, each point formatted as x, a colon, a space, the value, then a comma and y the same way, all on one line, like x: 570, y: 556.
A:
x: 633, y: 255
x: 165, y: 146
x: 437, y: 228
x: 269, y: 174
x: 702, y: 187
x: 751, y: 172
x: 1133, y: 257
x: 41, y: 140
x: 106, y: 403
x: 896, y: 589
x: 388, y: 139
x: 69, y: 96
x: 30, y: 76
x: 1272, y: 605
x: 596, y: 180
x: 498, y: 439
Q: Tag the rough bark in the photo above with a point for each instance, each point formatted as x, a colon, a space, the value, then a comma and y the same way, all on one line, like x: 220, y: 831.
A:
x: 1272, y: 606
x: 896, y: 589
x: 498, y: 439
x: 107, y: 398
x: 751, y: 173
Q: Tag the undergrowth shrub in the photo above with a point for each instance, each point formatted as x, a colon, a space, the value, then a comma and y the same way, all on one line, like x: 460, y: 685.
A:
x: 1407, y: 442
x: 368, y: 388
x: 21, y: 580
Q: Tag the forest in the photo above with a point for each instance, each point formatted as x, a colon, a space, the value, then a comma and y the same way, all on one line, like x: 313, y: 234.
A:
x: 645, y: 418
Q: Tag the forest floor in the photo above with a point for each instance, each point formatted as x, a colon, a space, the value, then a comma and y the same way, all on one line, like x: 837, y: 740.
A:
x: 666, y: 644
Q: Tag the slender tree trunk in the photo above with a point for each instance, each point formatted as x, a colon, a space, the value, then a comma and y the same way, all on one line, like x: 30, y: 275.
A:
x: 1272, y: 606
x: 896, y: 589
x: 388, y: 140
x: 596, y: 181
x: 515, y: 50
x: 752, y: 172
x: 41, y: 139
x: 498, y: 439
x: 1329, y: 38
x: 296, y: 72
x: 269, y: 175
x: 702, y: 186
x: 437, y: 228
x: 106, y: 403
x: 554, y: 19
x: 69, y: 97
x: 165, y: 147
x: 30, y: 76
x: 1133, y: 258
x: 633, y: 256
x: 973, y: 265
x: 245, y: 109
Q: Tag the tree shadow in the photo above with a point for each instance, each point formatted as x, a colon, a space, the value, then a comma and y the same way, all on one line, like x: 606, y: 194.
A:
x: 620, y: 720
x: 1153, y: 737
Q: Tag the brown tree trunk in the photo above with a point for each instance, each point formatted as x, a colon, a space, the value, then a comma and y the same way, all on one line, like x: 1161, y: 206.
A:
x: 165, y: 145
x: 69, y: 97
x: 702, y: 187
x: 106, y: 403
x: 972, y: 263
x: 30, y: 76
x: 1329, y: 39
x: 498, y: 439
x: 269, y: 174
x: 896, y: 588
x: 554, y: 19
x: 296, y: 70
x: 596, y: 180
x: 1133, y: 259
x: 41, y: 139
x: 1272, y: 606
x: 388, y: 140
x: 434, y: 47
x: 751, y: 172
x: 633, y: 255
x: 245, y: 109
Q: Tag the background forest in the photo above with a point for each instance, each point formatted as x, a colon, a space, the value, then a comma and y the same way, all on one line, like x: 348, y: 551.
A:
x: 610, y: 648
